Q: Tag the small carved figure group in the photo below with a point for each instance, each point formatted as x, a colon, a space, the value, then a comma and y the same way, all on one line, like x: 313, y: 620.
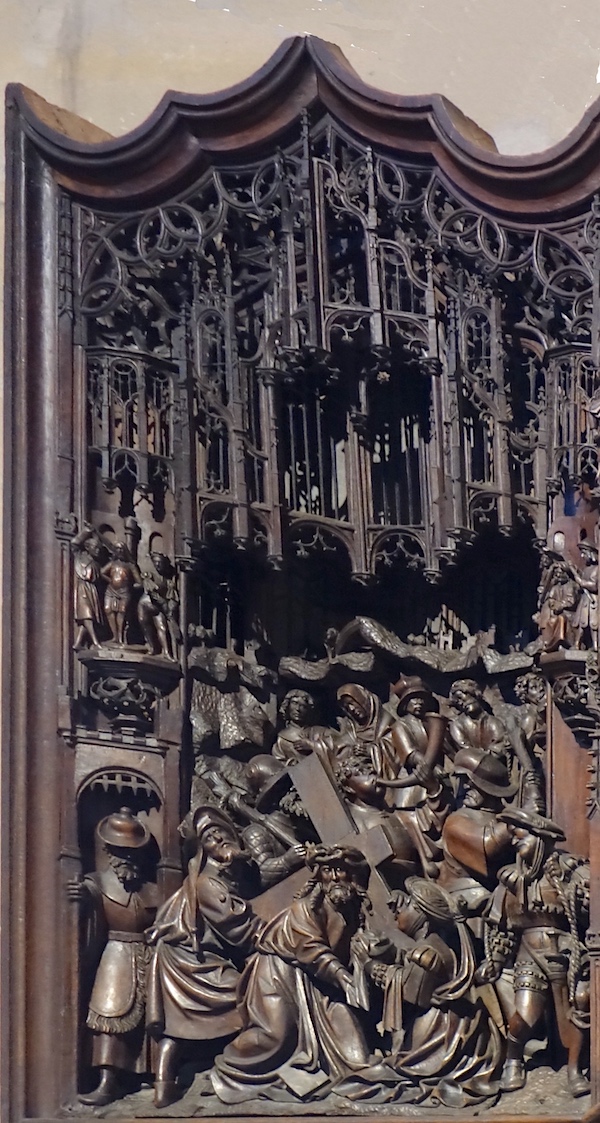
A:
x: 568, y: 614
x: 151, y: 598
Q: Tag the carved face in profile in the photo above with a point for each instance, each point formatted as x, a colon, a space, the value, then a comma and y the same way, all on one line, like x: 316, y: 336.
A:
x: 365, y: 786
x: 472, y: 798
x: 410, y: 919
x: 93, y: 547
x: 531, y: 851
x: 219, y: 844
x: 161, y: 563
x: 589, y: 553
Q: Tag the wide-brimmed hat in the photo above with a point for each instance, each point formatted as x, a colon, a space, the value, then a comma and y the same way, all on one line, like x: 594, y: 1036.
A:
x: 408, y: 686
x: 530, y: 821
x: 123, y: 829
x: 485, y: 771
x: 555, y: 555
x: 207, y: 815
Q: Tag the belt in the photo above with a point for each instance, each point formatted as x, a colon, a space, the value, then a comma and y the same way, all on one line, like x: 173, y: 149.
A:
x: 127, y: 937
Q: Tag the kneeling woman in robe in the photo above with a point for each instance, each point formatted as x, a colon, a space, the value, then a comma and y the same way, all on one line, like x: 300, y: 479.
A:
x: 446, y: 1046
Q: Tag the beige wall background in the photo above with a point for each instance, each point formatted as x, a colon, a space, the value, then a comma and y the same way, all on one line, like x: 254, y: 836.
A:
x: 525, y: 70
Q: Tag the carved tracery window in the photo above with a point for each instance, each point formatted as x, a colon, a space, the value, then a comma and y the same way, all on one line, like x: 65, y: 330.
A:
x: 356, y: 330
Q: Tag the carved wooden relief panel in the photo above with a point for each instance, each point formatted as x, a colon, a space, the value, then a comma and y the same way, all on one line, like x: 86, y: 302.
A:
x: 302, y: 683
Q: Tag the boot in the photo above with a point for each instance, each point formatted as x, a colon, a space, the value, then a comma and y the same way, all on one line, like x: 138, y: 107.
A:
x: 165, y: 1093
x: 108, y: 1089
x: 513, y: 1076
x: 579, y: 1084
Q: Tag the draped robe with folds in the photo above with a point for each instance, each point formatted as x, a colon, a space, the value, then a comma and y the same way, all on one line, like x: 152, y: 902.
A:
x: 446, y: 1045
x: 202, y: 936
x: 386, y: 742
x: 298, y: 1031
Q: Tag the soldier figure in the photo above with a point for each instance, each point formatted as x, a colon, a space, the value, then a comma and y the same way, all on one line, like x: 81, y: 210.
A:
x: 121, y: 905
x: 585, y: 617
x: 528, y: 909
x: 559, y: 596
x: 475, y: 842
x: 88, y: 611
x: 270, y: 835
x: 157, y: 608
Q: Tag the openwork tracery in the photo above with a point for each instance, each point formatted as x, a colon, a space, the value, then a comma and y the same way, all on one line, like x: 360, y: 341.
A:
x: 351, y: 342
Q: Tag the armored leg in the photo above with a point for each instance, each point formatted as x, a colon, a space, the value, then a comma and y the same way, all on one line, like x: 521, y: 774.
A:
x: 165, y: 1085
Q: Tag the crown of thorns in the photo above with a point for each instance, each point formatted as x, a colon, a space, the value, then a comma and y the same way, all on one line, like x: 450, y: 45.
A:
x: 348, y: 857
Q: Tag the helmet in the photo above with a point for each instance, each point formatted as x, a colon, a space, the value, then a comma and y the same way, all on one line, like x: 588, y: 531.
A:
x: 124, y: 830
x: 268, y: 780
x: 409, y: 686
x: 485, y: 771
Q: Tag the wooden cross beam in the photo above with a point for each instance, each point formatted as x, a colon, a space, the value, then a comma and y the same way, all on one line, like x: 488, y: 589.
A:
x: 333, y: 822
x: 330, y: 815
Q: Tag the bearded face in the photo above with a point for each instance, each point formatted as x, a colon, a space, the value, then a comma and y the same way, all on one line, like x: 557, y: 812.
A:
x: 125, y: 864
x: 219, y: 845
x: 338, y: 886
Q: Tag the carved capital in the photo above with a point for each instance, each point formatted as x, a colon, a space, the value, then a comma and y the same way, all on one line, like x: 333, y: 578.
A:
x: 129, y: 703
x: 575, y: 689
x: 65, y: 526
